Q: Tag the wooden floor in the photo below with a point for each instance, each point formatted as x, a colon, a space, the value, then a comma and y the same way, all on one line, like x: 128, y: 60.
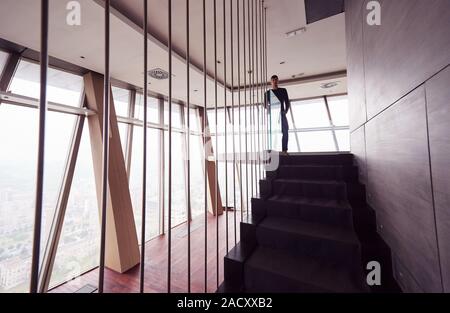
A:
x: 156, y: 261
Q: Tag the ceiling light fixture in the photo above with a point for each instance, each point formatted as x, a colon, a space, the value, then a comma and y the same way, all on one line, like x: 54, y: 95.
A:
x: 282, y: 62
x: 158, y: 73
x: 296, y: 32
x: 329, y: 85
x: 297, y: 75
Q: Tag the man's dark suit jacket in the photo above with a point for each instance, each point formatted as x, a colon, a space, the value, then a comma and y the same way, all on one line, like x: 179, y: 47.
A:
x: 282, y: 95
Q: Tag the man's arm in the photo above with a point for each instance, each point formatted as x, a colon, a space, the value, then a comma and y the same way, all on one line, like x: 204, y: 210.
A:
x: 266, y: 99
x: 287, y: 101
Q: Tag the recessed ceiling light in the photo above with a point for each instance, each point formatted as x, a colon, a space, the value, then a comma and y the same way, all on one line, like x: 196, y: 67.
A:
x: 296, y: 32
x: 329, y: 85
x: 82, y: 57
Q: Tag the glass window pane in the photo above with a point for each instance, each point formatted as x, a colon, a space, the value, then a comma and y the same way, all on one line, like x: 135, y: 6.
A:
x: 197, y: 176
x: 310, y: 113
x: 292, y: 143
x: 211, y: 120
x: 152, y: 109
x: 121, y: 100
x: 78, y: 248
x: 63, y: 87
x: 193, y: 119
x: 3, y: 60
x: 220, y: 120
x: 17, y: 186
x: 123, y: 128
x: 316, y: 141
x: 152, y: 211
x: 179, y: 209
x: 343, y: 139
x: 339, y: 110
x: 176, y: 115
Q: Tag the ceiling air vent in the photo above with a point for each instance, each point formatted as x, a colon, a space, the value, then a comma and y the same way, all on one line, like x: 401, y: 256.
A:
x: 158, y: 73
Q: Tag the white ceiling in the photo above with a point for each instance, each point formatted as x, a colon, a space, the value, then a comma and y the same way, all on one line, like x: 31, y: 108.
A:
x: 320, y: 50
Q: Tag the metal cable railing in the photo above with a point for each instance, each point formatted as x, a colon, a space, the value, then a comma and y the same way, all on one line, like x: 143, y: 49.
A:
x: 247, y: 21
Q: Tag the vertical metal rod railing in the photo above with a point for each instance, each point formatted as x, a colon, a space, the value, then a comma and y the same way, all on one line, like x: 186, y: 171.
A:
x: 258, y: 31
x: 265, y: 87
x: 239, y: 107
x: 261, y: 94
x: 266, y: 77
x: 35, y: 257
x: 205, y: 147
x: 105, y: 159
x: 255, y: 70
x: 246, y: 106
x: 261, y: 89
x: 144, y: 150
x: 253, y: 100
x: 258, y: 90
x: 188, y: 98
x: 233, y: 121
x: 255, y: 94
x: 162, y: 169
x: 216, y: 180
x: 225, y: 105
x: 250, y: 51
x: 169, y: 218
x: 258, y: 73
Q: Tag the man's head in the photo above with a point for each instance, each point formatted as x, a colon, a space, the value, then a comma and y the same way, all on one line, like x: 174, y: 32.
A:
x: 274, y: 80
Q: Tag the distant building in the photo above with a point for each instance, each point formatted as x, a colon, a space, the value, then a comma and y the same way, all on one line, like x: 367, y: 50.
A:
x: 14, y: 272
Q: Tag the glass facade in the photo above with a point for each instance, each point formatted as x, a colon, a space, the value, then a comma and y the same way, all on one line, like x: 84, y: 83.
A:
x: 316, y: 130
x: 78, y: 246
x: 310, y: 130
x: 62, y: 87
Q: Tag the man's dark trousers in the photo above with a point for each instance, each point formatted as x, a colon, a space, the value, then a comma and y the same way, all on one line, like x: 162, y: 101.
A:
x: 285, y: 132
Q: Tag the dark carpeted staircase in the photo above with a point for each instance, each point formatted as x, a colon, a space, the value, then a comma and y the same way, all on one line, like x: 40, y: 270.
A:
x: 310, y: 230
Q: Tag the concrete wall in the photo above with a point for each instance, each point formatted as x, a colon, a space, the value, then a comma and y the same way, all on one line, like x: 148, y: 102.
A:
x: 399, y: 94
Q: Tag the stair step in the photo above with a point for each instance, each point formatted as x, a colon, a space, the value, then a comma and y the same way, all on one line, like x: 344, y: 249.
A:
x: 330, y: 189
x: 326, y: 211
x: 319, y: 172
x: 309, y: 239
x: 234, y: 267
x: 323, y: 158
x: 271, y: 270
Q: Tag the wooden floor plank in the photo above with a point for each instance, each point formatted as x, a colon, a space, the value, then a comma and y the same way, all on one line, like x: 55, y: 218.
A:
x: 156, y: 261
